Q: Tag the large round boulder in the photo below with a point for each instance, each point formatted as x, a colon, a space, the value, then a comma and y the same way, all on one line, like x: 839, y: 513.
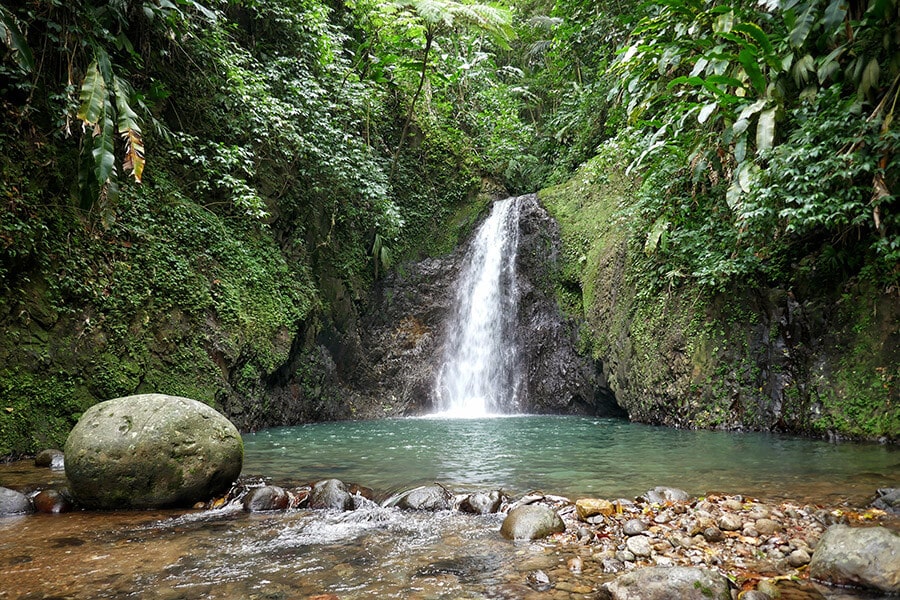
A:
x: 531, y: 522
x: 426, y: 497
x: 151, y: 451
x: 663, y: 583
x: 864, y: 556
x: 331, y: 494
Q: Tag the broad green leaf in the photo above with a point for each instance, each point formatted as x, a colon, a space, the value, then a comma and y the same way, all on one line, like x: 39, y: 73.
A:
x: 803, y: 24
x: 870, y: 76
x: 104, y: 146
x: 751, y: 67
x: 9, y: 32
x: 834, y: 16
x: 829, y: 65
x: 756, y: 33
x: 706, y: 111
x: 655, y: 235
x: 765, y: 130
x: 93, y: 95
x: 724, y: 22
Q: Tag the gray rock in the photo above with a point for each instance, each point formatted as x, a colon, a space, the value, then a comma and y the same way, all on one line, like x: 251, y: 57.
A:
x: 713, y: 535
x: 151, y: 451
x: 265, y: 498
x: 13, y: 503
x: 730, y: 522
x: 531, y: 522
x: 634, y: 527
x: 767, y: 526
x: 480, y: 503
x: 52, y: 458
x: 662, y: 494
x: 798, y: 558
x: 638, y: 545
x: 426, y: 497
x: 330, y: 493
x: 888, y: 499
x: 665, y: 583
x: 864, y: 556
x: 754, y: 595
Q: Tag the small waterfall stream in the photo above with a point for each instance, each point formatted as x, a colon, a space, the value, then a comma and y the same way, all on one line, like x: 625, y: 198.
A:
x: 479, y: 374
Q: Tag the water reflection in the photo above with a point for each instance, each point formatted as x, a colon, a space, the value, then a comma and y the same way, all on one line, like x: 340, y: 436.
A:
x: 572, y: 456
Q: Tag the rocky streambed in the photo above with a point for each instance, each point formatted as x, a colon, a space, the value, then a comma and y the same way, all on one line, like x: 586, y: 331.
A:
x: 663, y: 544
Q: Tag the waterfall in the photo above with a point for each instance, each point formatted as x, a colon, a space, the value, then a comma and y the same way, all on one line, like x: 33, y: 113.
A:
x: 479, y: 375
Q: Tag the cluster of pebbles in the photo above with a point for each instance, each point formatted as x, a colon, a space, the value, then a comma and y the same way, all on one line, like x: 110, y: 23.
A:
x: 762, y: 548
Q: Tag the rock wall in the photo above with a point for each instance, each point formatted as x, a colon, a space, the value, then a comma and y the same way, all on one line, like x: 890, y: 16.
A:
x: 403, y: 331
x: 818, y: 355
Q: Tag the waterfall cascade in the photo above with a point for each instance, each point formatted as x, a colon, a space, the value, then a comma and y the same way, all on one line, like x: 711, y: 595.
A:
x: 479, y: 374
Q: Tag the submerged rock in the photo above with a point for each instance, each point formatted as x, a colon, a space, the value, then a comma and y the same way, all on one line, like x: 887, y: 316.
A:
x: 13, y: 503
x: 664, y: 583
x: 864, y: 556
x: 531, y: 522
x: 151, y: 451
x: 888, y: 499
x: 52, y: 458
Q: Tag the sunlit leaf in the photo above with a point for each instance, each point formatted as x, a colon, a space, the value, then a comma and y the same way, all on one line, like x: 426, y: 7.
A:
x: 93, y: 95
x: 765, y: 130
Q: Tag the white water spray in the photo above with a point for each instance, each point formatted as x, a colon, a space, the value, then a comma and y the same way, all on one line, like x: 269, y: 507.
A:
x: 479, y: 375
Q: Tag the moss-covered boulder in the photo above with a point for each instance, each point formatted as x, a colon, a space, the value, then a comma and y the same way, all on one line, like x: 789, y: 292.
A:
x: 151, y: 451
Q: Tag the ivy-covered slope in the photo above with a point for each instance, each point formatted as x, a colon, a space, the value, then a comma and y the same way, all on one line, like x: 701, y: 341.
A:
x: 817, y: 354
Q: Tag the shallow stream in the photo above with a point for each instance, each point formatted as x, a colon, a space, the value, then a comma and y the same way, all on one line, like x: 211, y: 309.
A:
x: 386, y: 553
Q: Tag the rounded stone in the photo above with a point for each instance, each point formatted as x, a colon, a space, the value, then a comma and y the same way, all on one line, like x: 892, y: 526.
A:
x: 634, y: 527
x: 151, y: 451
x: 531, y: 522
x: 330, y: 494
x: 865, y: 556
x: 638, y: 545
x: 13, y: 503
x: 52, y: 502
x: 480, y: 503
x: 589, y: 507
x: 51, y: 458
x: 730, y: 522
x: 426, y: 497
x: 266, y: 498
x: 665, y: 583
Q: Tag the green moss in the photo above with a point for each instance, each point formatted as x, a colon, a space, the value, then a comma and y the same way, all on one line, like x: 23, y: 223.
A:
x: 37, y: 411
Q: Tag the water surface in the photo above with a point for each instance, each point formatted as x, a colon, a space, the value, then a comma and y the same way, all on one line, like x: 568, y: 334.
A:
x: 571, y: 456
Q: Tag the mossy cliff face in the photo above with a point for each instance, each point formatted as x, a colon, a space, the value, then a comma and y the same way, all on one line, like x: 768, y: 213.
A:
x: 820, y: 360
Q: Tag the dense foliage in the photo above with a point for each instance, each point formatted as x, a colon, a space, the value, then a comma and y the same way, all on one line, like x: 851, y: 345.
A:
x: 251, y: 166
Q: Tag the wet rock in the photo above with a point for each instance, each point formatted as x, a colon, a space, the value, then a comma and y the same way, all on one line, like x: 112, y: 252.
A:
x: 589, y: 507
x: 13, y: 503
x: 266, y: 498
x: 888, y: 499
x: 538, y: 581
x: 664, y: 583
x: 52, y: 502
x: 575, y: 564
x: 662, y: 494
x: 754, y: 595
x: 360, y: 490
x: 865, y: 556
x: 52, y: 458
x: 426, y: 497
x: 634, y: 527
x: 330, y: 493
x: 151, y: 451
x: 531, y: 522
x: 638, y: 545
x: 480, y: 503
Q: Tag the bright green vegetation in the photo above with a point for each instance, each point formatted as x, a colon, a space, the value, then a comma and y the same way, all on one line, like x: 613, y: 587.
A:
x: 196, y: 193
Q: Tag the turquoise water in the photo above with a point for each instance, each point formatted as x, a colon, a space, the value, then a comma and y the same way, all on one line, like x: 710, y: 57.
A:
x: 570, y: 456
